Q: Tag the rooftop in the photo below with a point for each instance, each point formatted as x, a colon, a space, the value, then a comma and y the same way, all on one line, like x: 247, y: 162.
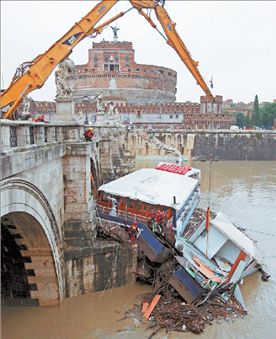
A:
x: 154, y: 187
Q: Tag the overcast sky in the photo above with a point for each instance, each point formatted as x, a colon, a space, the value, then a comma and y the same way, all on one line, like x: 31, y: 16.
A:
x: 234, y: 41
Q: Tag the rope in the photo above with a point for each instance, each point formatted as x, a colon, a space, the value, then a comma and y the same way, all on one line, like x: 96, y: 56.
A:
x: 249, y: 229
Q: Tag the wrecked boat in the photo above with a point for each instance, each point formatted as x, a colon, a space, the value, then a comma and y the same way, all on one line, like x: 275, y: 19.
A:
x: 168, y: 188
x: 212, y: 257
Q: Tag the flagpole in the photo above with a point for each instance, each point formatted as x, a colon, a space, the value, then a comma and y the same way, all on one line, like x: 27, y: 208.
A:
x: 208, y: 208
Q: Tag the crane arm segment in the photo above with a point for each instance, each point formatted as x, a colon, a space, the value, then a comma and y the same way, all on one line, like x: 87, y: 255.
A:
x: 174, y: 39
x: 34, y: 74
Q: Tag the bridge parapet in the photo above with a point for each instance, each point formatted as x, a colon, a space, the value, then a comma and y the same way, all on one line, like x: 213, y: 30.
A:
x: 22, y: 134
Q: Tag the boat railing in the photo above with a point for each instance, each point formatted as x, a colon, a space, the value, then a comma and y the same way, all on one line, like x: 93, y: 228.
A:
x: 125, y: 217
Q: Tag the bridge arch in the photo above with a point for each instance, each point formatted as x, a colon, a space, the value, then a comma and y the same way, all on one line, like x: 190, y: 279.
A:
x: 28, y: 226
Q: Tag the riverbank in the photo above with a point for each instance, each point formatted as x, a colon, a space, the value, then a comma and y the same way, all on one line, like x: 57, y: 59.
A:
x: 243, y: 190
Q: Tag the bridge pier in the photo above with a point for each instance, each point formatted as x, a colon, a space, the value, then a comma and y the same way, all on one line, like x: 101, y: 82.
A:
x: 79, y: 207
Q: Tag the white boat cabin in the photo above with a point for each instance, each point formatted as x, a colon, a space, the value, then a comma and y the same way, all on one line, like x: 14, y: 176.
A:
x: 168, y: 189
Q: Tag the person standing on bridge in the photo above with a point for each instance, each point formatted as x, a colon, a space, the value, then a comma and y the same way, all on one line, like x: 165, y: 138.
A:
x: 133, y: 229
x: 88, y: 134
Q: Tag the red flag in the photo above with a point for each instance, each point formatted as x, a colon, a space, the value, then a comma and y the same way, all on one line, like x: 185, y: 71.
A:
x: 207, y: 219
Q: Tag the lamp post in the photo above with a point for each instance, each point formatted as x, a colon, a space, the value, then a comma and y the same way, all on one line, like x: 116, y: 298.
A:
x: 86, y: 119
x: 86, y: 99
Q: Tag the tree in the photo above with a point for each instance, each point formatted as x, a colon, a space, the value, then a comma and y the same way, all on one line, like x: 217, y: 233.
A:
x: 248, y: 122
x: 267, y: 115
x: 240, y: 120
x: 256, y: 113
x: 256, y: 104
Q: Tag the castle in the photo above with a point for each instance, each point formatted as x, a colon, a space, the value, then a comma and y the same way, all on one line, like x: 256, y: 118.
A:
x: 144, y: 95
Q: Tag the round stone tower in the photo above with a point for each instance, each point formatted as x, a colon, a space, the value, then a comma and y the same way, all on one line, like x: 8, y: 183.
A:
x: 112, y: 72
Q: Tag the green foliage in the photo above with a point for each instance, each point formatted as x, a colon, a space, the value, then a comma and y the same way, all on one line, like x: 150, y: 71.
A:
x: 243, y: 121
x: 256, y: 113
x: 267, y: 115
x: 240, y: 120
x: 248, y: 122
x: 262, y: 117
x: 256, y: 104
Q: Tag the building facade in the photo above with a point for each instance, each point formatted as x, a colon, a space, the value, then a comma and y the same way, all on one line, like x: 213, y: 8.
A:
x: 111, y: 71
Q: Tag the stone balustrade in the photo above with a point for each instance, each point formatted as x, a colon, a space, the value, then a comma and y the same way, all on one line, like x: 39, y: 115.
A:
x: 21, y: 134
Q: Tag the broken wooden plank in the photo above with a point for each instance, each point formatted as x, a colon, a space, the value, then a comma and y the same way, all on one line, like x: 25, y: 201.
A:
x: 152, y: 306
x: 144, y: 307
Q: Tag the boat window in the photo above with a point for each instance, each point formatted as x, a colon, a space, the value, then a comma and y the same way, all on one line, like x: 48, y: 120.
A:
x: 203, y: 234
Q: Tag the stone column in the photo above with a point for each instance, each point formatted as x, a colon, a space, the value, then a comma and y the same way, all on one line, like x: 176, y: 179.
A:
x: 79, y: 227
x: 190, y: 147
x: 65, y: 110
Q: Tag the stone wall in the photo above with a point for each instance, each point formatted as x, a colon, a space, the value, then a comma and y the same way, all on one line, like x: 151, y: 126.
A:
x: 235, y: 146
x: 222, y: 145
x: 106, y: 265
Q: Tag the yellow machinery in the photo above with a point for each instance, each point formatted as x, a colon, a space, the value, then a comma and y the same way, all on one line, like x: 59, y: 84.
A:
x: 32, y: 75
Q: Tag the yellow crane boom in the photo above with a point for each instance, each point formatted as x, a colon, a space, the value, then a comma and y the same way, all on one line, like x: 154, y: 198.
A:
x: 32, y: 75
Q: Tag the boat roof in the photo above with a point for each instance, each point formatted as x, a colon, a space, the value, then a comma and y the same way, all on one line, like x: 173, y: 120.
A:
x: 222, y: 223
x: 153, y: 186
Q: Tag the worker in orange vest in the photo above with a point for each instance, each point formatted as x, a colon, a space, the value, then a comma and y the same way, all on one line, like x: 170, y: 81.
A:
x: 88, y: 134
x: 133, y: 231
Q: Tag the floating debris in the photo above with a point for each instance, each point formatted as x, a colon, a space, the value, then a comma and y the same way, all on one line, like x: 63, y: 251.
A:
x: 194, y: 260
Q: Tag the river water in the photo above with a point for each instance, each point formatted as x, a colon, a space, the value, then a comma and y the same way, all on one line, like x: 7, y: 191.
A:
x: 246, y: 192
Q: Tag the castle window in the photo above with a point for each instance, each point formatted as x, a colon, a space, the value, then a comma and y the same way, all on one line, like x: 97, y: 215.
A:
x: 105, y: 67
x: 95, y: 61
x: 113, y: 67
x: 127, y: 60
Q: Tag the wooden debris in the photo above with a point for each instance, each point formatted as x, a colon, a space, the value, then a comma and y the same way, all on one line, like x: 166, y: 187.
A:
x: 144, y: 307
x: 152, y: 306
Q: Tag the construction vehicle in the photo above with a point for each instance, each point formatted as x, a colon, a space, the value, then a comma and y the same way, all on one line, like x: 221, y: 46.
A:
x: 32, y: 75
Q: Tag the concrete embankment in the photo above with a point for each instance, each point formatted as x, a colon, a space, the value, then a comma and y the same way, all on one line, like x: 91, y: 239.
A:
x: 235, y: 146
x: 202, y: 144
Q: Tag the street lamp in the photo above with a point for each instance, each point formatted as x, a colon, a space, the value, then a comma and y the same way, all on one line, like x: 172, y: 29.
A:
x: 86, y: 99
x: 86, y: 122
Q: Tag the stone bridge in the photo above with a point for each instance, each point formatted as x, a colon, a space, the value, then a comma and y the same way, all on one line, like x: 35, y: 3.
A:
x: 49, y: 181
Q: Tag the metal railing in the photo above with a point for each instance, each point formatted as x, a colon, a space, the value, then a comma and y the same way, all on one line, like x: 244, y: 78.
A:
x: 125, y: 217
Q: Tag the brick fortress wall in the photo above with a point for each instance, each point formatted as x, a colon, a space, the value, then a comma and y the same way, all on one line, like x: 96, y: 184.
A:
x: 112, y: 71
x: 189, y: 113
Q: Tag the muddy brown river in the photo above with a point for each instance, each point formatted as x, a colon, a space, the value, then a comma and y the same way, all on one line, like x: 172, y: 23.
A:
x: 245, y: 191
